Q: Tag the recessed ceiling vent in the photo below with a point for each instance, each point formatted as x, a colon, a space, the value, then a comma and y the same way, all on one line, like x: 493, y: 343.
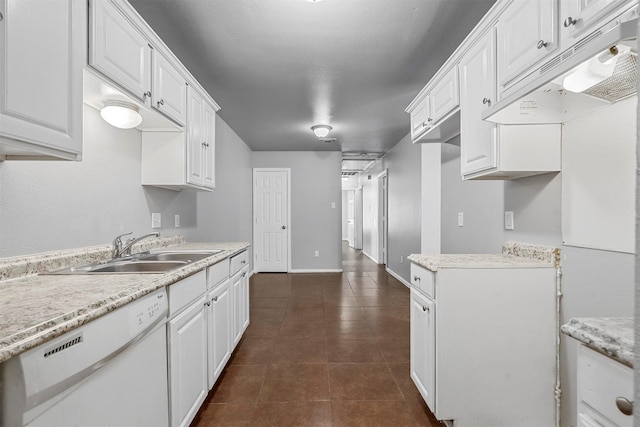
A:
x: 345, y: 173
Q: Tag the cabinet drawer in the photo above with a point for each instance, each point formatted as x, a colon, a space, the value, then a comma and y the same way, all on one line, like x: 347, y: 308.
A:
x: 216, y: 274
x: 423, y: 279
x: 237, y: 262
x: 601, y: 381
x: 186, y: 290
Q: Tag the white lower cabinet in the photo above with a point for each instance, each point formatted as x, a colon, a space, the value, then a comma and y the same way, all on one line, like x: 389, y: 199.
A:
x: 239, y: 272
x: 605, y: 391
x: 208, y: 313
x: 219, y: 322
x: 187, y: 349
x: 423, y: 334
x: 471, y: 335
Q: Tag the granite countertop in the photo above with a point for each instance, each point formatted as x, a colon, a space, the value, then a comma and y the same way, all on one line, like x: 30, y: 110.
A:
x: 36, y: 308
x: 514, y: 255
x: 612, y: 336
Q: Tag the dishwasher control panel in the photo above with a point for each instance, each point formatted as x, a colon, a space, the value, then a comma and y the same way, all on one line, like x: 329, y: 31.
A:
x: 146, y: 311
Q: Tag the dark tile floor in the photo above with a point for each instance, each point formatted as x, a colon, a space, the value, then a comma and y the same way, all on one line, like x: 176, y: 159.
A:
x: 327, y: 349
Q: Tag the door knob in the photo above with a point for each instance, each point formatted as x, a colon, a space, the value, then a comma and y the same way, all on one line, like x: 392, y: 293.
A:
x: 284, y: 227
x: 569, y: 22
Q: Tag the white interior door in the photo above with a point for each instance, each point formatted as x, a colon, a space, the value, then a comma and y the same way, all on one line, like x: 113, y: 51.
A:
x: 358, y: 219
x: 271, y: 212
x: 382, y: 235
x: 351, y: 217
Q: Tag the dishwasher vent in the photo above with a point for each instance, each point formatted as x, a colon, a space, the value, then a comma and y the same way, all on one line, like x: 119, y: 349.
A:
x: 65, y: 345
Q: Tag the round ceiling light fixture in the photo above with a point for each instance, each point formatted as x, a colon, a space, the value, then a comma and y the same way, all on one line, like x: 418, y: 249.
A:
x: 123, y: 115
x: 321, y: 130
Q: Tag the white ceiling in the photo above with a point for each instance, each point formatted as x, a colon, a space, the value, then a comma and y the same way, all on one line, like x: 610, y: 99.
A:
x: 276, y: 67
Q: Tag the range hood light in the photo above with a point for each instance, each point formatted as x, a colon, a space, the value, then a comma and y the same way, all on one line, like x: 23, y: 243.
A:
x: 592, y: 72
x: 120, y: 114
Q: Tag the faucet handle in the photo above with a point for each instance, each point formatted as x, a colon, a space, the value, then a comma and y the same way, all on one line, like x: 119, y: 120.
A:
x: 118, y: 240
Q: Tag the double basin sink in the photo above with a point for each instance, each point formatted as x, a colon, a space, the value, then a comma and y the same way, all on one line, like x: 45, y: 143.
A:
x: 147, y: 262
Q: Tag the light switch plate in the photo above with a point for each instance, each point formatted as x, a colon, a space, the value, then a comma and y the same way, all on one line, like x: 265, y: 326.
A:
x: 156, y: 220
x: 508, y: 220
x: 460, y: 219
x: 177, y: 220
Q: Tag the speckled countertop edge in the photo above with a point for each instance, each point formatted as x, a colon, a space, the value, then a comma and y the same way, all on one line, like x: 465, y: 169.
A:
x: 612, y: 336
x: 514, y: 255
x: 59, y: 307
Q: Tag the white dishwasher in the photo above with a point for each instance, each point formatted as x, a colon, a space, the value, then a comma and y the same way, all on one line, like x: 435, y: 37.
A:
x: 109, y: 372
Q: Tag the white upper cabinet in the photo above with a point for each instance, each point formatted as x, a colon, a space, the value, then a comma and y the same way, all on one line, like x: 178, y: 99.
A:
x: 578, y: 17
x: 527, y: 33
x: 420, y: 119
x: 430, y: 117
x: 169, y: 92
x: 444, y: 97
x: 209, y: 146
x: 42, y: 55
x: 119, y: 51
x: 195, y: 139
x: 477, y: 92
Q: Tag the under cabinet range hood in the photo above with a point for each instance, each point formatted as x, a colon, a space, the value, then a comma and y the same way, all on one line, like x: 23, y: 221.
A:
x: 596, y: 71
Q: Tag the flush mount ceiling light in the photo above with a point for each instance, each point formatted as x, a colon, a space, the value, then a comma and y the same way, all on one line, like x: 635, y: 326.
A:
x: 123, y: 115
x: 321, y: 130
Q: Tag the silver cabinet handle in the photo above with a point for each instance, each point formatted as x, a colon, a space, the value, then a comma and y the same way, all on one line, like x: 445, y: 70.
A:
x: 624, y: 405
x: 146, y: 95
x: 215, y: 299
x: 486, y: 101
x: 424, y: 124
x: 284, y: 227
x: 208, y: 303
x: 425, y: 308
x: 161, y: 102
x: 243, y: 262
x: 244, y: 274
x: 429, y: 120
x: 416, y: 278
x: 542, y: 44
x: 1, y: 16
x: 205, y: 144
x: 569, y: 22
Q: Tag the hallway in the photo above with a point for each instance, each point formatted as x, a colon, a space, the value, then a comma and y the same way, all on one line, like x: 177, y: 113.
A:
x: 328, y: 349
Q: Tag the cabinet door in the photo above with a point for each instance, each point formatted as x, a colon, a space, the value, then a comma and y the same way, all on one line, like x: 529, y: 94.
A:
x: 219, y: 328
x: 42, y: 55
x: 420, y: 119
x: 169, y: 89
x: 444, y: 97
x: 188, y: 363
x: 118, y: 50
x: 209, y: 147
x: 245, y: 300
x: 526, y: 34
x: 195, y: 128
x: 477, y: 92
x: 423, y: 353
x: 579, y: 17
x: 236, y: 298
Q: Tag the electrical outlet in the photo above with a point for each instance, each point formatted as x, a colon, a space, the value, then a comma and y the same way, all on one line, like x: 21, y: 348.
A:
x: 333, y: 205
x: 508, y: 220
x: 177, y: 220
x: 401, y: 259
x: 156, y: 220
x: 317, y: 254
x: 460, y: 219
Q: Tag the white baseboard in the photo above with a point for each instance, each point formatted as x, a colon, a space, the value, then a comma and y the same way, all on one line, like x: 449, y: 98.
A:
x: 370, y: 257
x: 310, y: 270
x: 397, y: 276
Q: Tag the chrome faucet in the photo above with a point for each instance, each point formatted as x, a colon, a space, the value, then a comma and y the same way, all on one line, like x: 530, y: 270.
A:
x: 120, y: 250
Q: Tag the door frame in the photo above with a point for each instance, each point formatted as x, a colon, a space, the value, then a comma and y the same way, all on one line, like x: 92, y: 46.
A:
x: 359, y: 213
x: 383, y: 216
x: 255, y: 218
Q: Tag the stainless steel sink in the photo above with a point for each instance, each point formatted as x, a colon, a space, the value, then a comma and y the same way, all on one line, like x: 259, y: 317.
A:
x: 154, y: 262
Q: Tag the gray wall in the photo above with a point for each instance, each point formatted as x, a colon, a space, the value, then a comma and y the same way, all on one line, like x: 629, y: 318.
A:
x: 225, y: 214
x: 315, y: 225
x: 48, y: 205
x: 482, y: 203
